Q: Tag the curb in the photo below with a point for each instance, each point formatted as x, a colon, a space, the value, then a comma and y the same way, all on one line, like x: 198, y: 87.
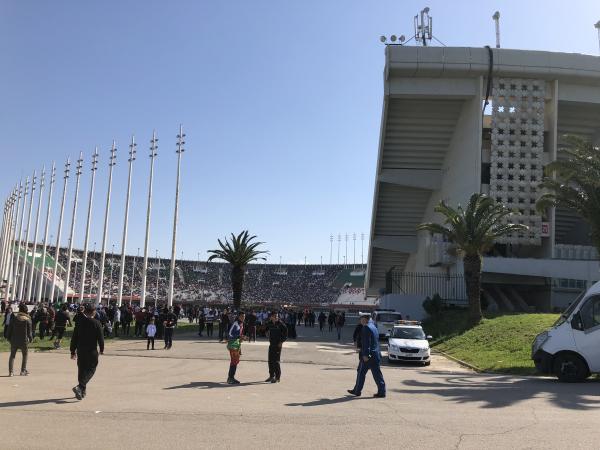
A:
x: 460, y: 362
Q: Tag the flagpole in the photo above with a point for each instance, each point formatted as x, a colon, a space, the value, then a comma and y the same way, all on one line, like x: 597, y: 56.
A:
x: 58, y: 236
x: 111, y: 164
x: 48, y: 208
x: 179, y: 152
x: 35, y: 236
x: 87, y: 226
x: 78, y: 172
x: 153, y: 154
x: 124, y: 240
x: 22, y: 223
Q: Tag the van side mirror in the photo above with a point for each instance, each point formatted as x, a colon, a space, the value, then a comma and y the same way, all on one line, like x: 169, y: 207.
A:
x: 576, y: 322
x: 429, y: 337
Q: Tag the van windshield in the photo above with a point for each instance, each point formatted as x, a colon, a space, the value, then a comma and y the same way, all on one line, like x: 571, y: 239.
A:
x: 388, y: 317
x: 564, y: 316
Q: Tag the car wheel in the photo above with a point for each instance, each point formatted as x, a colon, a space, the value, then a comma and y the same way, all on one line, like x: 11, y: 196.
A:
x: 570, y: 368
x: 390, y: 361
x: 426, y: 363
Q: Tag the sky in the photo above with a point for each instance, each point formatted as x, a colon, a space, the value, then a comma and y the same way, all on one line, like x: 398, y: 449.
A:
x: 280, y: 102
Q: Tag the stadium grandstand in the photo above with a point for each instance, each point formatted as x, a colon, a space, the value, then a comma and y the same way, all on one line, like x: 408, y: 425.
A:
x: 199, y: 281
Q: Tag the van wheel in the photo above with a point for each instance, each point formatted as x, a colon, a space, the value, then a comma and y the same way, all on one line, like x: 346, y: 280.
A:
x: 570, y: 368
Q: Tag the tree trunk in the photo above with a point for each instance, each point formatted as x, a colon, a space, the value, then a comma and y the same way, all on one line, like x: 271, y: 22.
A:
x: 472, y: 268
x: 237, y: 284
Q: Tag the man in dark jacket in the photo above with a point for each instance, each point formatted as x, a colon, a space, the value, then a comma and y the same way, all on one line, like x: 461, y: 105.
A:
x: 61, y: 321
x: 277, y: 333
x: 87, y: 337
x: 19, y: 334
x: 370, y: 358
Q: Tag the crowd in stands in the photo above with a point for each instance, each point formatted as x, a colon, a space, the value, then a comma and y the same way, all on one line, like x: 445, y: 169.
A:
x: 210, y: 282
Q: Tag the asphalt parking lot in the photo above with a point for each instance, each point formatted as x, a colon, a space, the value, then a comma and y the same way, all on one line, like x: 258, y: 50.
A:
x: 178, y: 398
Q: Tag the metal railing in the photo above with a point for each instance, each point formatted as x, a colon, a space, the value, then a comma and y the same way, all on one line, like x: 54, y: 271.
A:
x: 451, y: 288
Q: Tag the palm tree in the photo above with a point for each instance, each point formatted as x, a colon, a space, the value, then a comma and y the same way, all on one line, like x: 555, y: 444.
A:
x: 239, y: 253
x: 473, y: 231
x: 573, y: 182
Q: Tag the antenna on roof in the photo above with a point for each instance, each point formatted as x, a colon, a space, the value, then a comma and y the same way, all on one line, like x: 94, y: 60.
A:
x: 423, y: 27
x: 597, y: 25
x: 496, y: 18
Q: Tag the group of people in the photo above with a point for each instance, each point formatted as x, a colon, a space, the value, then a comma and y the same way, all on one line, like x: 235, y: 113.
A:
x: 87, y: 341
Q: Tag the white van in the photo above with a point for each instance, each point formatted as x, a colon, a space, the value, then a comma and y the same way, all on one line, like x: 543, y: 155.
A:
x: 385, y: 319
x: 571, y: 348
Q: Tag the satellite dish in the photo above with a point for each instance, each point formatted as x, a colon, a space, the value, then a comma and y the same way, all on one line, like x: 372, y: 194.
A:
x: 382, y: 38
x: 393, y: 38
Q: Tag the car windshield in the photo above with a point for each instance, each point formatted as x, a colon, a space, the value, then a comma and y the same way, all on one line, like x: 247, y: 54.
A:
x: 388, y: 317
x: 408, y: 333
x: 563, y: 317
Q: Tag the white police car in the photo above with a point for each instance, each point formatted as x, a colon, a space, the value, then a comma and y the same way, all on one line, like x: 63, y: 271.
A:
x: 407, y: 342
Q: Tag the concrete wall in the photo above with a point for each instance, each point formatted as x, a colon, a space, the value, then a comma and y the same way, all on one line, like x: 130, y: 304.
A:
x: 461, y: 174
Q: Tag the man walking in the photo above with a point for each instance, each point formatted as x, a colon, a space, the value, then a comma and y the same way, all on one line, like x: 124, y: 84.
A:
x: 60, y: 324
x: 87, y: 338
x: 20, y: 333
x: 277, y: 333
x: 370, y: 358
x: 170, y: 319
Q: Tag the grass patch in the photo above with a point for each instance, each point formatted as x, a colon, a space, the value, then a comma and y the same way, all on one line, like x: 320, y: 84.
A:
x: 500, y: 343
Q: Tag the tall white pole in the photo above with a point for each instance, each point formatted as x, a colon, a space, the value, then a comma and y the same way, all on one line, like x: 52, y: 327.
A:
x: 4, y: 236
x: 354, y: 250
x: 153, y: 153
x: 496, y: 18
x: 111, y: 164
x: 20, y: 244
x: 362, y: 241
x: 13, y: 251
x: 9, y: 213
x: 12, y: 280
x: 597, y: 26
x: 45, y: 244
x: 59, y: 234
x: 339, y: 243
x: 179, y: 152
x: 112, y: 265
x: 10, y: 238
x: 87, y: 226
x: 22, y: 271
x: 132, y: 282
x: 124, y: 240
x: 78, y: 170
x: 30, y: 295
x: 157, y: 278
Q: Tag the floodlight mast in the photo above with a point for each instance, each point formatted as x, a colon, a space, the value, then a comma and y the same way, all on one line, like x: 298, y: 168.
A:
x: 496, y: 18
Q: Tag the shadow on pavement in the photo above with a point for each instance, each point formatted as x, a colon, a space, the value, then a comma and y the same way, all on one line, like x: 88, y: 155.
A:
x: 338, y: 368
x: 58, y: 401
x: 211, y: 385
x: 502, y: 391
x: 328, y: 401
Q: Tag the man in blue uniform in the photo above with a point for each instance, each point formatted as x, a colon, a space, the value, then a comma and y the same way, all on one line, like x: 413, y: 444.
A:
x: 370, y: 358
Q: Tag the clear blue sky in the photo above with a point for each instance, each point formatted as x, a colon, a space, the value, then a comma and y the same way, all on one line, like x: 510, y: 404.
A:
x: 280, y: 101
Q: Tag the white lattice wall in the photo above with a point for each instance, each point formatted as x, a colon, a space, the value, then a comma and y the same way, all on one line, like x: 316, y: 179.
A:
x: 516, y: 151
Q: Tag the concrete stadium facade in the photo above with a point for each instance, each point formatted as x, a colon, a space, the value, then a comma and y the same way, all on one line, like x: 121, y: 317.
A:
x: 437, y: 143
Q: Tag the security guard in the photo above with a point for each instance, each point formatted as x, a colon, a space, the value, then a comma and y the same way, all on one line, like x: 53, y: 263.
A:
x: 370, y: 358
x: 277, y: 333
